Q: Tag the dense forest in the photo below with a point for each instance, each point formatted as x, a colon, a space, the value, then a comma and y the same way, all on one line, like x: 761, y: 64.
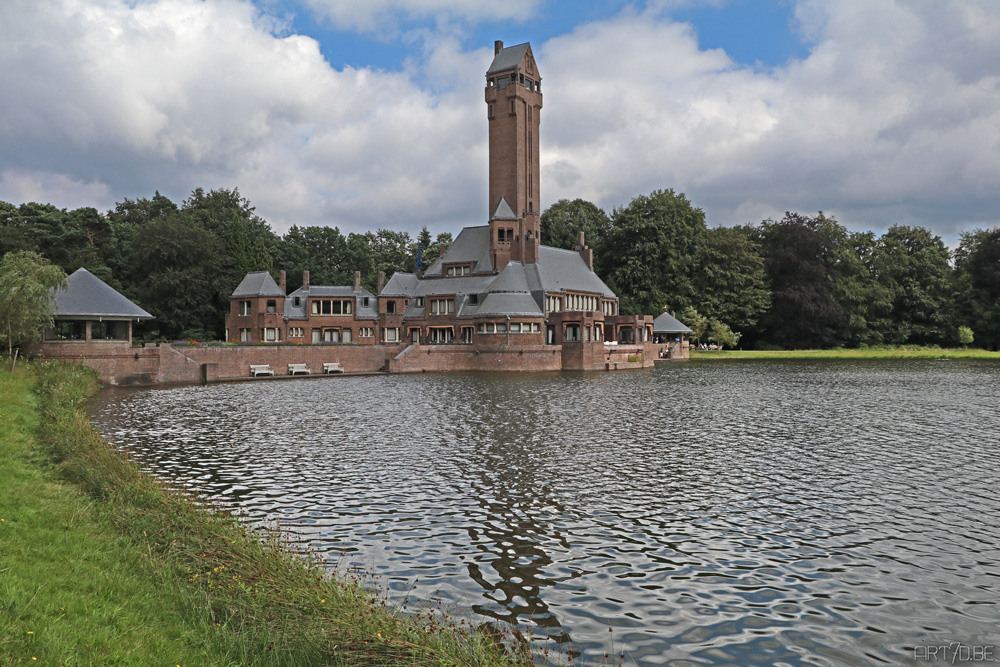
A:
x: 802, y: 281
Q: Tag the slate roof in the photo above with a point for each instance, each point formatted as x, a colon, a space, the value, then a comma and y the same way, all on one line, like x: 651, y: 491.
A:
x: 88, y: 296
x: 560, y: 270
x: 667, y: 323
x: 401, y: 284
x: 258, y: 283
x: 471, y: 246
x: 503, y: 211
x: 508, y: 58
x: 510, y: 294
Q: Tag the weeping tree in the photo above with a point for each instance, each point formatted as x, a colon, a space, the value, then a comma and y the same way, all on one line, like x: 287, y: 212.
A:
x: 27, y: 285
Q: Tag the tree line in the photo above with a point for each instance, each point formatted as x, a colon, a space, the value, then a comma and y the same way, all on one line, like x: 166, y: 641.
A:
x: 802, y: 281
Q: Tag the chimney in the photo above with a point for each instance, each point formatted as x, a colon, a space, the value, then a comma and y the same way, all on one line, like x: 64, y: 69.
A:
x: 497, y: 47
x: 586, y: 253
x: 281, y: 281
x: 381, y: 281
x: 357, y: 281
x: 305, y: 281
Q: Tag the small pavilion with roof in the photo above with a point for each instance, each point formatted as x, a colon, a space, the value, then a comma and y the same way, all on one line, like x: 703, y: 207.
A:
x: 89, y: 311
x: 672, y: 333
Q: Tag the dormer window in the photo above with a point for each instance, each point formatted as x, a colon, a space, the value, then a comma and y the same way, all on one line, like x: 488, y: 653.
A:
x: 474, y: 299
x: 364, y: 302
x: 297, y: 301
x: 272, y: 306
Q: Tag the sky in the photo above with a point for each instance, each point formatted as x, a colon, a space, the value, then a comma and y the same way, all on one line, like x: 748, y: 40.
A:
x: 368, y: 115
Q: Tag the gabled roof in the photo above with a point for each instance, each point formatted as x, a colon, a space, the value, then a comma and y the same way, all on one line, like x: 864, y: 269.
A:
x: 472, y: 246
x: 258, y: 283
x: 86, y: 295
x: 503, y: 211
x: 361, y: 311
x: 509, y: 294
x: 401, y: 284
x: 559, y: 270
x: 508, y: 58
x: 667, y: 323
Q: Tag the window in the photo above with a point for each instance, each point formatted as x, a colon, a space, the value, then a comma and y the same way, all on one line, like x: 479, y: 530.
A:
x: 442, y: 306
x: 366, y: 332
x: 390, y: 306
x: 474, y: 299
x: 390, y: 335
x: 297, y: 301
x: 491, y: 327
x: 364, y: 302
x: 419, y: 302
x: 489, y: 113
x: 480, y: 328
x: 467, y: 335
x: 244, y: 335
x: 271, y: 334
x: 500, y: 235
x: 598, y: 332
x: 515, y: 327
x: 317, y: 336
x: 441, y: 335
x: 332, y: 307
x: 458, y: 271
x: 296, y: 332
x: 272, y: 306
x: 244, y: 308
x: 331, y: 335
x: 502, y: 82
x: 345, y: 336
x: 572, y: 333
x: 501, y: 327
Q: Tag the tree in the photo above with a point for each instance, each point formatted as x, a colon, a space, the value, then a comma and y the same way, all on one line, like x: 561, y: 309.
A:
x: 27, y: 282
x: 562, y: 223
x: 181, y: 274
x: 965, y: 336
x: 695, y: 321
x: 730, y: 280
x: 915, y: 267
x: 722, y: 335
x: 800, y: 256
x: 648, y: 255
x: 977, y: 284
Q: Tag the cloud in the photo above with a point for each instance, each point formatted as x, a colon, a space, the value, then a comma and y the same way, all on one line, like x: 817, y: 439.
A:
x: 52, y: 188
x: 178, y: 94
x: 385, y: 16
x: 893, y: 117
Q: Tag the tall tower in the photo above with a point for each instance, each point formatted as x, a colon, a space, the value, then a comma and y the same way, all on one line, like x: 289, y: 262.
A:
x: 514, y: 105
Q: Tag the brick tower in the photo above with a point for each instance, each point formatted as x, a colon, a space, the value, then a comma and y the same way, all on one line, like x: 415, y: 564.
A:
x: 514, y: 105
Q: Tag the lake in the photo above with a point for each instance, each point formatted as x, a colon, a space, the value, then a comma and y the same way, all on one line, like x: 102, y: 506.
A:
x: 700, y: 513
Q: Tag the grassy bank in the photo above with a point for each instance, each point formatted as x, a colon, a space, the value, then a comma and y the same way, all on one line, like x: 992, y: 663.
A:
x: 101, y: 565
x: 911, y: 352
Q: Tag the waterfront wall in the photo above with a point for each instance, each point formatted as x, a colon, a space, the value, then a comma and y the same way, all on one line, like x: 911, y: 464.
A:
x: 120, y: 365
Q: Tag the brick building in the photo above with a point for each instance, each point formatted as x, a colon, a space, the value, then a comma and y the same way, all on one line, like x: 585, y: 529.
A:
x: 494, y: 288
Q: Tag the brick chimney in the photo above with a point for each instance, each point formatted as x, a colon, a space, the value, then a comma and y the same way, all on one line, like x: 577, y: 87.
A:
x: 497, y: 47
x: 281, y: 281
x: 586, y: 253
x: 357, y: 281
x: 381, y: 281
x: 305, y: 281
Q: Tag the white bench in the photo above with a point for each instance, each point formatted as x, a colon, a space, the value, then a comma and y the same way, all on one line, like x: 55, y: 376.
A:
x: 333, y: 367
x: 298, y: 369
x: 263, y: 369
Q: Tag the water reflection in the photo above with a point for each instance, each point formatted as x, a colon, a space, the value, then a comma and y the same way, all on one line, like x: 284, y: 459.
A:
x: 707, y: 513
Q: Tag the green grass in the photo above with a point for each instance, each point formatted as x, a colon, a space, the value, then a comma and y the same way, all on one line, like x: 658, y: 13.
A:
x: 905, y: 352
x: 101, y: 565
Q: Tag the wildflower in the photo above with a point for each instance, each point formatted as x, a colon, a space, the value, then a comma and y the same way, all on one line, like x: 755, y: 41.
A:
x: 30, y: 632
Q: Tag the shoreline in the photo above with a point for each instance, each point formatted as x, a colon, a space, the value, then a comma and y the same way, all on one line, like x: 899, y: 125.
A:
x: 842, y: 353
x: 104, y: 564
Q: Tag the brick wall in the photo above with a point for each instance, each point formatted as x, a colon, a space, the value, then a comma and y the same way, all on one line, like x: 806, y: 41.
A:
x: 421, y: 358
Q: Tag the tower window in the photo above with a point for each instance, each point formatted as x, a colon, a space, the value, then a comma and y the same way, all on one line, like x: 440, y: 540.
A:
x: 512, y: 106
x: 489, y: 113
x: 500, y: 235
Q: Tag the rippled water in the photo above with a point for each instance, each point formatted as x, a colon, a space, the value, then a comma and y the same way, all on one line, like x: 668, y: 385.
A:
x: 708, y: 513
